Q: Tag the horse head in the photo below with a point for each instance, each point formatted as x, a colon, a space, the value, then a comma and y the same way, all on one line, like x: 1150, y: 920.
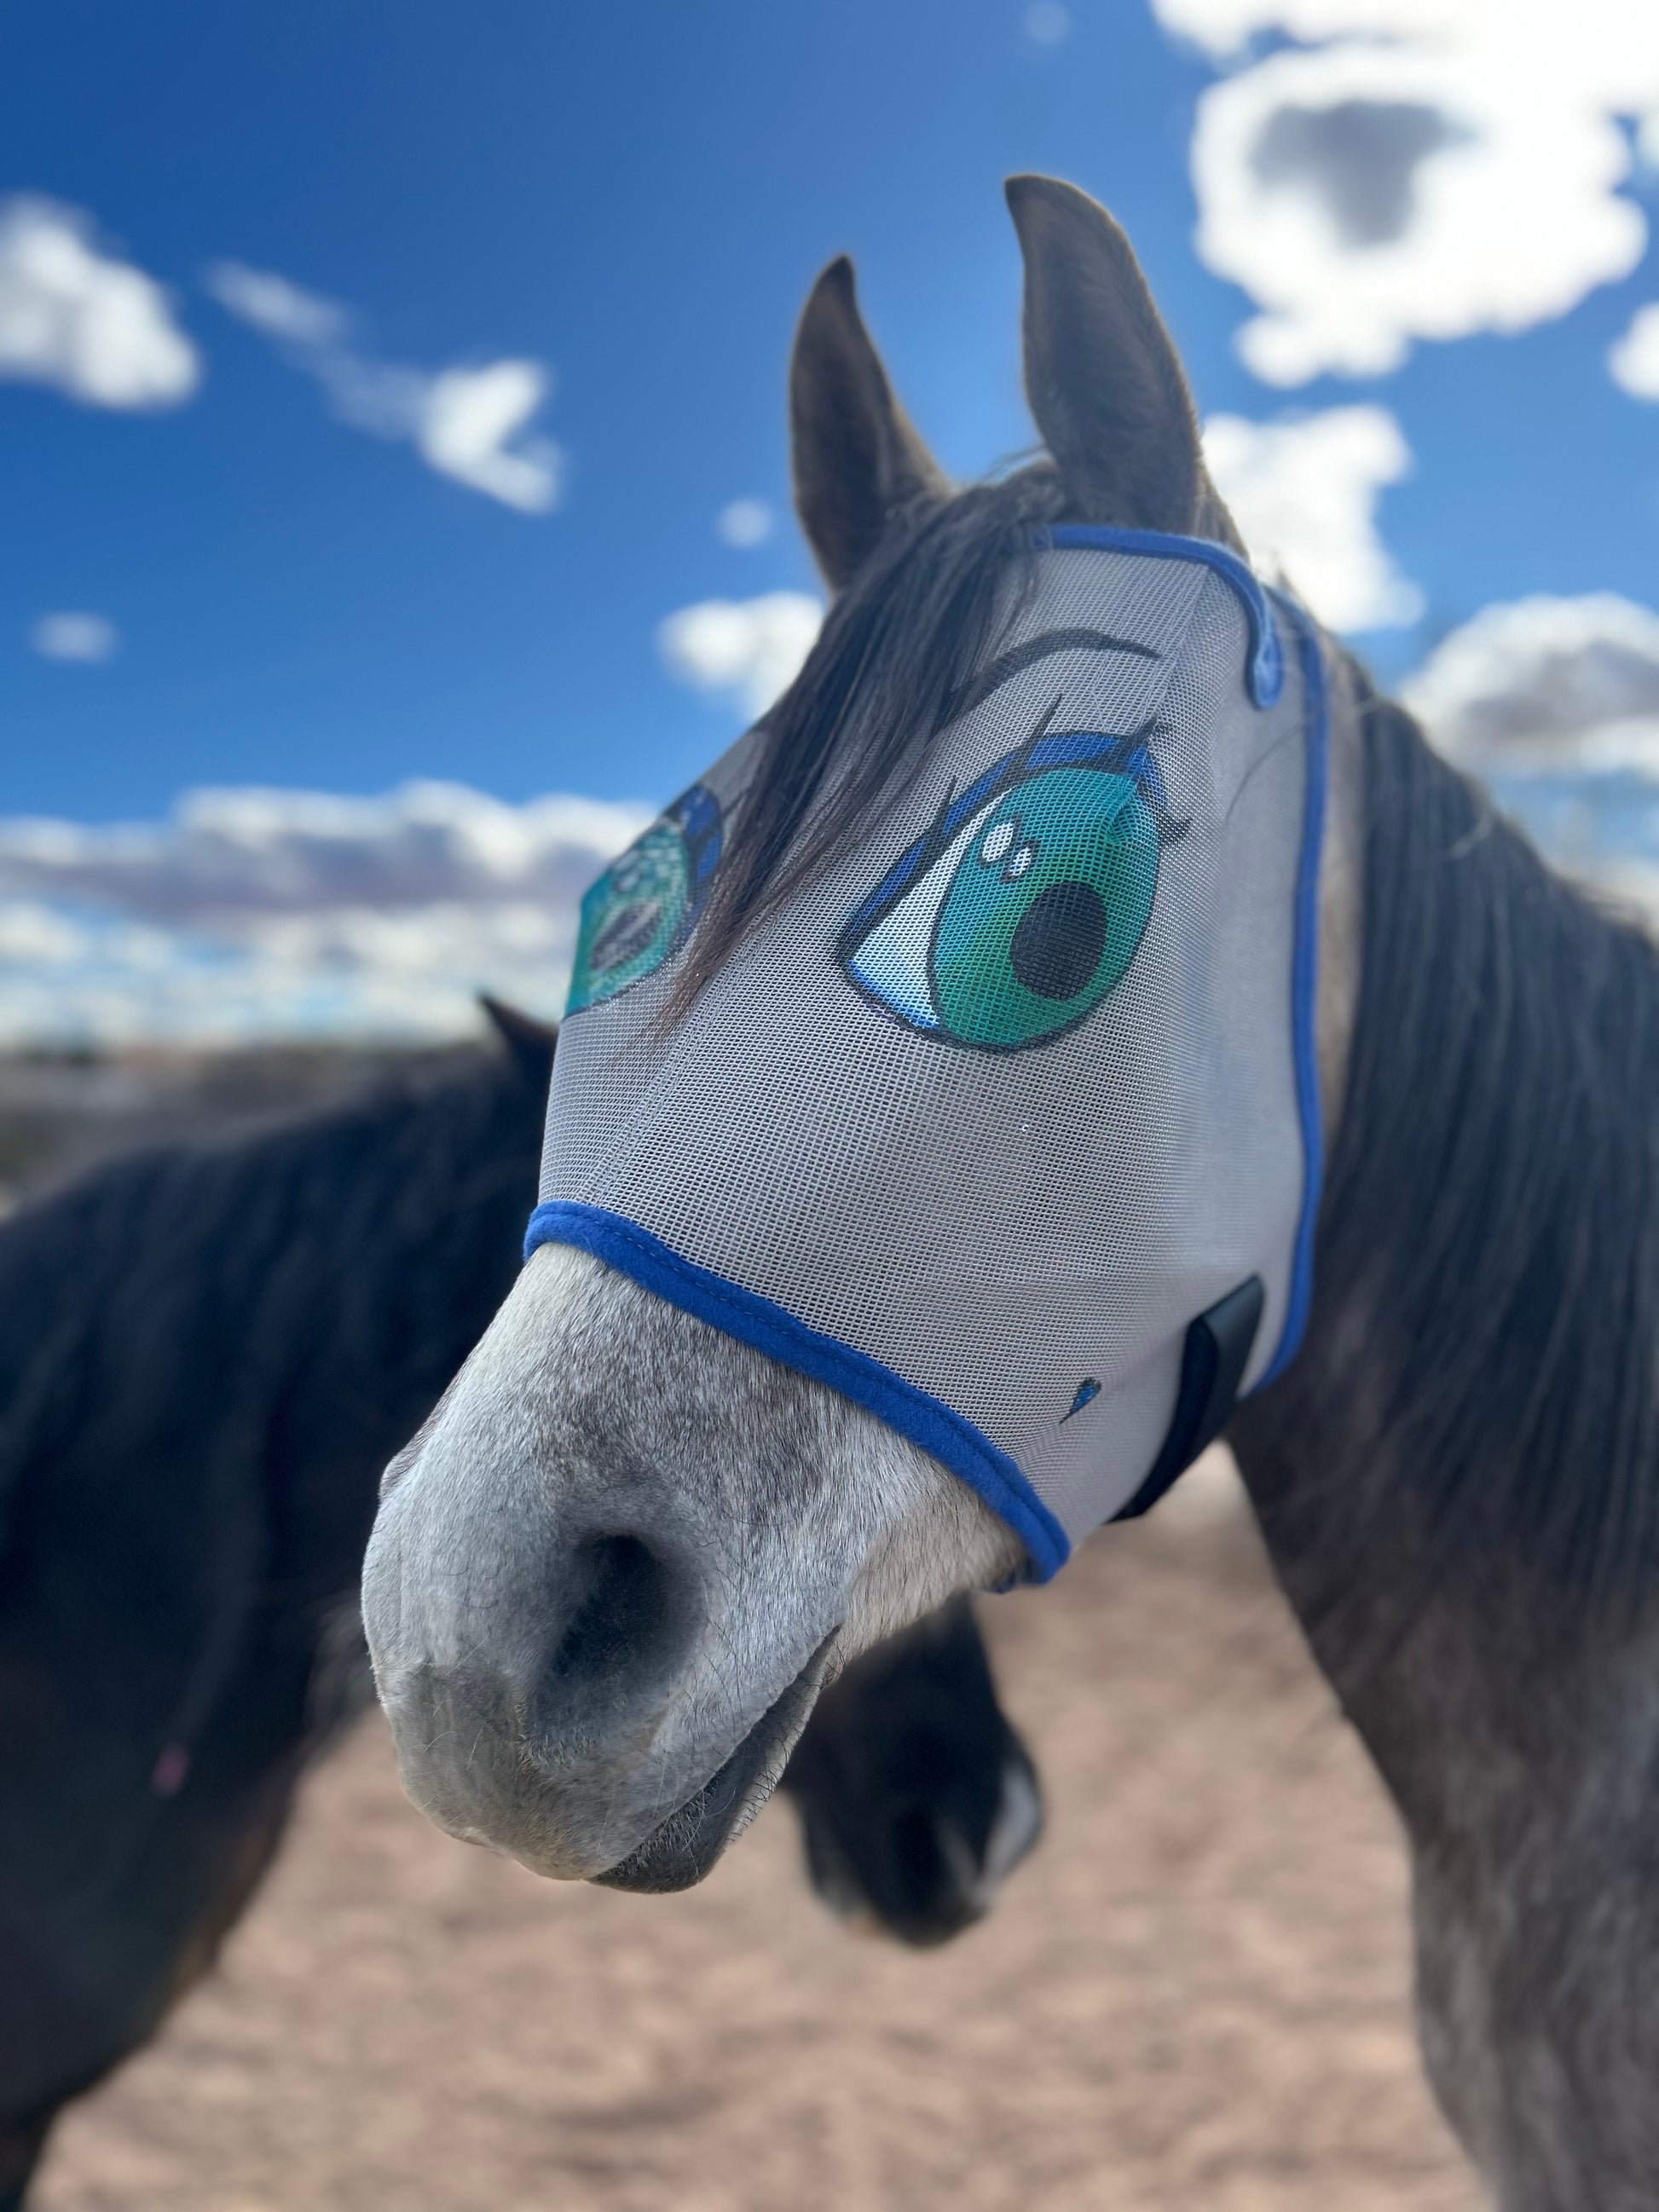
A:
x: 934, y: 1144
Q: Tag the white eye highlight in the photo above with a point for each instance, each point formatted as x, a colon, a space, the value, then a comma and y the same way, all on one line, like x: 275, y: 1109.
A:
x: 891, y: 962
x: 1020, y: 862
x: 999, y: 841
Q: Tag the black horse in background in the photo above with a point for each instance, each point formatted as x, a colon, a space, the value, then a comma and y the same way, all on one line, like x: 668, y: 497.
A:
x: 208, y: 1352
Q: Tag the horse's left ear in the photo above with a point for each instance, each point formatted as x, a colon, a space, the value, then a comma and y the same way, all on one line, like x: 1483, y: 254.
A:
x: 529, y: 1042
x: 1102, y: 377
x: 858, y: 458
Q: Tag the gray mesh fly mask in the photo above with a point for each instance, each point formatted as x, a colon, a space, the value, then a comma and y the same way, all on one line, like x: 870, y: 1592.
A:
x: 1007, y: 1127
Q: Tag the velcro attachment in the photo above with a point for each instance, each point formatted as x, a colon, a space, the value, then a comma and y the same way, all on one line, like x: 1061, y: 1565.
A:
x: 1212, y: 1365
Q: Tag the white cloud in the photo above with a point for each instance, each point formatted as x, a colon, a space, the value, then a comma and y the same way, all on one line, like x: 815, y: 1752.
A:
x: 1304, y: 493
x: 750, y: 648
x: 269, y: 303
x: 745, y: 522
x: 267, y: 913
x: 1048, y: 23
x: 471, y: 424
x: 249, y: 850
x: 1611, y: 39
x: 1442, y: 167
x: 1633, y: 360
x: 1555, y: 703
x: 1226, y: 27
x: 82, y: 637
x: 68, y: 979
x: 32, y: 935
x: 1546, y: 684
x: 470, y: 421
x: 75, y: 316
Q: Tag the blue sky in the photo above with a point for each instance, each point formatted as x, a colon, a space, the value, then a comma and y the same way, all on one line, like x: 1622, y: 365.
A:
x: 636, y: 198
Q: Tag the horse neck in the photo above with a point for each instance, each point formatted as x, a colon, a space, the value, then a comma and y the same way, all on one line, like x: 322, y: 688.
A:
x: 1457, y: 1477
x: 1464, y: 1454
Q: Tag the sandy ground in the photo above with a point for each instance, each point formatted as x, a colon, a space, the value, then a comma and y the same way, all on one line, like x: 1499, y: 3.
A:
x: 1195, y: 1995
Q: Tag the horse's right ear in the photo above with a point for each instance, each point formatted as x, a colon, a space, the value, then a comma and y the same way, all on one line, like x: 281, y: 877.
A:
x: 1102, y: 377
x: 857, y: 457
x: 529, y: 1042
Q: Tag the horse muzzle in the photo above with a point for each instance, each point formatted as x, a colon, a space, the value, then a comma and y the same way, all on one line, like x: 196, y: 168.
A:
x: 550, y: 1697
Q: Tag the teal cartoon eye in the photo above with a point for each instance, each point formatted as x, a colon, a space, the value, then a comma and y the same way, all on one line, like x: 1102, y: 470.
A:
x: 646, y: 904
x: 1026, y: 901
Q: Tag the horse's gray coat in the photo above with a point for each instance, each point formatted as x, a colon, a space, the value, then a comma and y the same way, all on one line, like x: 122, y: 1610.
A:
x: 1456, y: 1477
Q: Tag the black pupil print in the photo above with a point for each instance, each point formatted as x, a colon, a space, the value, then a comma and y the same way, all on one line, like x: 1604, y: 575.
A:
x: 1060, y: 940
x: 626, y: 934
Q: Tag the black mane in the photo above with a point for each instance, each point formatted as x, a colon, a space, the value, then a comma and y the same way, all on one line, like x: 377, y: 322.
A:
x: 210, y: 1348
x: 1487, y: 1271
x: 888, y: 670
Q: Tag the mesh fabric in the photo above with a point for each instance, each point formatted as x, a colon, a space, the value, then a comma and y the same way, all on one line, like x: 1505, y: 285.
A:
x: 1011, y: 1093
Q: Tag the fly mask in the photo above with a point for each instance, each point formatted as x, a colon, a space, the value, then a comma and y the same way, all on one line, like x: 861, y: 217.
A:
x: 1006, y: 1127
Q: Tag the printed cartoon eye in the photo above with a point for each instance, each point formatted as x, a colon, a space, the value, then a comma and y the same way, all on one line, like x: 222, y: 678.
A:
x: 1025, y: 902
x: 646, y: 903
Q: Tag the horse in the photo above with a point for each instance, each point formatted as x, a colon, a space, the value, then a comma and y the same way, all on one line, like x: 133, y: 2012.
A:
x: 630, y: 1546
x: 210, y: 1347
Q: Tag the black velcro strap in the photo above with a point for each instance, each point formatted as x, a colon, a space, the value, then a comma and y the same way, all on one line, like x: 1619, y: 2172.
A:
x: 1211, y: 1368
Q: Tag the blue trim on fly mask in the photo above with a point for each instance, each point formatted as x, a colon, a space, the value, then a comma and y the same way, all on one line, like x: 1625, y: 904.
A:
x: 1305, y: 989
x: 938, y: 1429
x: 1265, y: 672
x: 1265, y: 680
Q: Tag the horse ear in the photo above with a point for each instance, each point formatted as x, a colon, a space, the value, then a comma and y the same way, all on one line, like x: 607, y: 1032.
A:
x: 529, y: 1042
x: 1102, y: 378
x: 857, y: 457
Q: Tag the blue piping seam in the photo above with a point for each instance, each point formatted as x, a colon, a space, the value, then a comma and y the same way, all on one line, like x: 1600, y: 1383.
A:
x: 771, y: 1328
x: 1266, y: 671
x: 1304, y: 992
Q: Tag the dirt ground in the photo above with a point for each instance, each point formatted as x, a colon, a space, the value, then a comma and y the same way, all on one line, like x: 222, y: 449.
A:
x: 1195, y: 1994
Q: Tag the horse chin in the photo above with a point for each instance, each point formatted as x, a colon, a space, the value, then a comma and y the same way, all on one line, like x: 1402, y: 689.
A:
x: 683, y: 1847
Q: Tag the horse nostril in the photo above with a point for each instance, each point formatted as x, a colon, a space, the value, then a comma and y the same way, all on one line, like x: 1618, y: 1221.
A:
x: 619, y: 1603
x: 627, y: 1614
